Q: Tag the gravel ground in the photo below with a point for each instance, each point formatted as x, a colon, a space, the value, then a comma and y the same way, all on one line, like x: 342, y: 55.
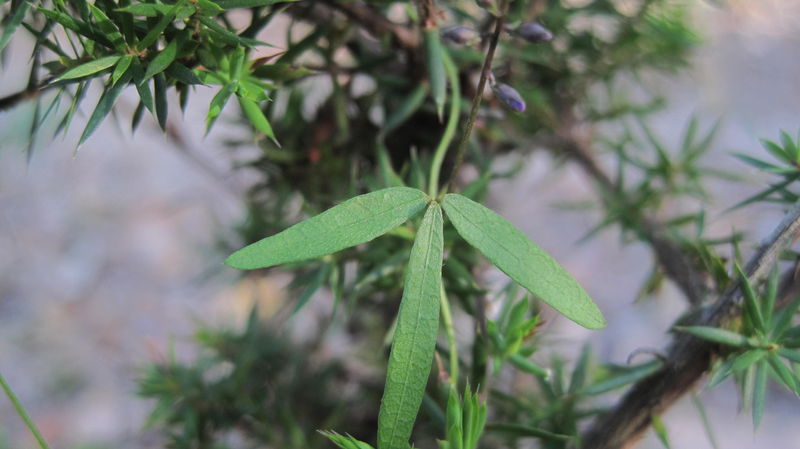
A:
x: 109, y: 253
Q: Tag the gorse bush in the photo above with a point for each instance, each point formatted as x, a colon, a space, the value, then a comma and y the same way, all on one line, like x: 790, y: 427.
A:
x: 365, y: 115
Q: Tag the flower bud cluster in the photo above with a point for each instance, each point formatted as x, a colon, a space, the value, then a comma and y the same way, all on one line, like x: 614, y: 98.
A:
x: 530, y: 31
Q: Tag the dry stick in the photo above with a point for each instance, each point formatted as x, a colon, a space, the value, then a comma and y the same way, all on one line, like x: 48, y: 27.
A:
x: 476, y: 101
x: 376, y: 23
x: 688, y: 358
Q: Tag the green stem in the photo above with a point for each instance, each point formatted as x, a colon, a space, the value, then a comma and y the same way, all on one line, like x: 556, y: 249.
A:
x: 450, y: 128
x: 476, y: 101
x: 23, y: 414
x: 447, y: 319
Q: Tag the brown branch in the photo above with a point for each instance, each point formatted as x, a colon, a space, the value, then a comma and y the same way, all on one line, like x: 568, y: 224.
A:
x: 688, y: 358
x: 377, y: 24
x: 30, y: 92
x: 476, y: 100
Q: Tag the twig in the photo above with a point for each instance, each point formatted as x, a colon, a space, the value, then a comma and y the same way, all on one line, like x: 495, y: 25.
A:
x: 376, y: 23
x: 476, y: 101
x: 30, y: 92
x: 23, y: 414
x: 688, y: 357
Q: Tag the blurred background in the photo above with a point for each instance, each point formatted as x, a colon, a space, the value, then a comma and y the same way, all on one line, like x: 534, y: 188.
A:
x: 111, y: 259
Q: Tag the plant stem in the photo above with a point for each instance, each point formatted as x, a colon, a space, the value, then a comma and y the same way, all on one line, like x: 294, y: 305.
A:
x: 23, y: 414
x: 476, y: 100
x: 447, y: 319
x: 450, y: 128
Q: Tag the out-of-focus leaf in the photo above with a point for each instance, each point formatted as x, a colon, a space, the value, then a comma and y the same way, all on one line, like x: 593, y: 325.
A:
x: 525, y: 431
x: 624, y: 378
x: 160, y: 90
x: 108, y: 28
x: 232, y: 4
x: 183, y: 74
x: 436, y: 74
x: 146, y: 9
x: 759, y: 393
x: 661, y: 430
x: 103, y: 107
x: 716, y: 335
x: 257, y: 118
x: 11, y: 23
x: 217, y: 103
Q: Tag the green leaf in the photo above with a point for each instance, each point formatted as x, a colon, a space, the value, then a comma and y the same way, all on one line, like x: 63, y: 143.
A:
x: 524, y: 431
x: 526, y: 365
x: 162, y: 60
x: 751, y: 305
x: 405, y: 109
x: 578, y: 378
x: 122, y: 67
x: 160, y: 90
x: 454, y: 430
x: 108, y: 28
x: 12, y: 22
x: 357, y: 220
x: 146, y: 9
x: 436, y: 74
x: 759, y: 393
x: 232, y: 4
x: 716, y: 335
x: 280, y: 72
x: 791, y: 354
x: 626, y: 377
x: 142, y: 86
x: 152, y: 36
x: 70, y: 23
x: 89, y: 68
x: 522, y: 260
x: 257, y: 118
x: 785, y: 374
x: 227, y: 36
x: 345, y: 442
x: 208, y: 8
x: 320, y: 275
x: 414, y: 336
x: 183, y: 74
x: 103, y: 107
x: 660, y: 430
x: 217, y: 103
x: 747, y: 359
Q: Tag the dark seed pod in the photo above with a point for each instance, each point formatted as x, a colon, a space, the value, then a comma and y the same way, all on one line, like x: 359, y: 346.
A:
x: 509, y: 97
x: 534, y: 33
x: 460, y: 35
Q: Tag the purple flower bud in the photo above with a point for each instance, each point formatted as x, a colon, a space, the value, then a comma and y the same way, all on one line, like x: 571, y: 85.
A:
x: 534, y: 33
x: 509, y: 96
x: 460, y: 35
